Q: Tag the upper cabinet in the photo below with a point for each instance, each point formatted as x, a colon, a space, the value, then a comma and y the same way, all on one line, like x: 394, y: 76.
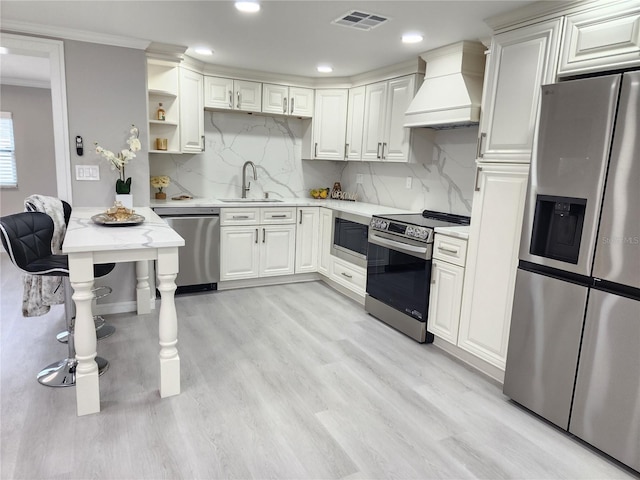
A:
x: 355, y: 123
x: 191, y: 111
x: 230, y: 94
x: 163, y: 91
x: 325, y: 136
x: 284, y: 100
x: 607, y: 37
x: 384, y: 137
x: 521, y: 61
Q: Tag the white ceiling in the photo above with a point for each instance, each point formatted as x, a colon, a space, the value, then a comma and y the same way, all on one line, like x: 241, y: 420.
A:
x: 286, y: 37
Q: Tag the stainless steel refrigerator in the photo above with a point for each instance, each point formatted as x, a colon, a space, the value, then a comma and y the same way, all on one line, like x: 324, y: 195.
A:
x: 574, y: 344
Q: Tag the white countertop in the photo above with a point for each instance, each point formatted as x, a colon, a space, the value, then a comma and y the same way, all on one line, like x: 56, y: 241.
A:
x: 461, y: 231
x: 83, y: 235
x: 357, y: 208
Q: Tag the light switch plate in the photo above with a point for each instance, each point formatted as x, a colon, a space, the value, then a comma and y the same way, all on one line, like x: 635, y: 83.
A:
x: 408, y: 182
x: 87, y: 172
x: 359, y: 179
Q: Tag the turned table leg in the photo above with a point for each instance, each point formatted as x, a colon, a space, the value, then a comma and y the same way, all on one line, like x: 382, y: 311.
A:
x: 168, y: 322
x: 143, y: 291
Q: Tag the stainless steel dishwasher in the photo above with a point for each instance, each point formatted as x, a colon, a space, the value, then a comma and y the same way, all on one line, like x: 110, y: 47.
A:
x: 199, y: 267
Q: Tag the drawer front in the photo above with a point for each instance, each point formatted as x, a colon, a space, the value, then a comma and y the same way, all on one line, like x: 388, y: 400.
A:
x: 271, y: 215
x: 450, y: 249
x: 350, y: 276
x: 239, y: 216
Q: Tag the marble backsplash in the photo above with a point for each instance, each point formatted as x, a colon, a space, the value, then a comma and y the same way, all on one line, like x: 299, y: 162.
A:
x: 442, y: 180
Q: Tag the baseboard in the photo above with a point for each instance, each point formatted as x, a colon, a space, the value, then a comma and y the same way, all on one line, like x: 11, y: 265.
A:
x: 262, y: 281
x: 491, y: 371
x: 343, y: 290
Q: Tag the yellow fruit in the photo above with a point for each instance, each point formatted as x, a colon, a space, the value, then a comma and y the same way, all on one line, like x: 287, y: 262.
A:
x: 323, y: 194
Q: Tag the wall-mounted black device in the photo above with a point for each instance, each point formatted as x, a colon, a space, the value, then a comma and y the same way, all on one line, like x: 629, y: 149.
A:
x: 79, y: 146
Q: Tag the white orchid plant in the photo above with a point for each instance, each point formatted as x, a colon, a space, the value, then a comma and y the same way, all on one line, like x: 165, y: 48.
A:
x: 120, y: 159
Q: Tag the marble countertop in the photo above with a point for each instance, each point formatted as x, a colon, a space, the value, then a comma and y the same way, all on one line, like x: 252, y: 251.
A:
x: 356, y: 208
x: 461, y: 231
x: 83, y: 235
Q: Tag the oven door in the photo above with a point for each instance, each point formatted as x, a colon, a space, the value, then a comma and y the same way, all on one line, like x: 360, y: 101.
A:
x: 399, y: 273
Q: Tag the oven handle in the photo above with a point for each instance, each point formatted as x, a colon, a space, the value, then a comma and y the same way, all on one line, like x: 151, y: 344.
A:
x: 399, y: 246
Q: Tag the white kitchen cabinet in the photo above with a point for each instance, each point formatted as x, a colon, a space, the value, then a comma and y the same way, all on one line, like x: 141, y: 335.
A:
x: 326, y: 138
x: 307, y: 239
x: 284, y: 100
x: 492, y: 260
x: 191, y: 111
x: 277, y: 250
x: 601, y: 39
x: 521, y: 61
x: 445, y: 300
x: 257, y: 242
x: 231, y: 94
x: 325, y: 230
x: 239, y: 252
x: 384, y: 136
x: 355, y: 123
x: 350, y: 276
x: 163, y: 88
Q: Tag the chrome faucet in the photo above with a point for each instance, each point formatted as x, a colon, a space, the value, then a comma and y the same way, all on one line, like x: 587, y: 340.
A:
x: 245, y: 187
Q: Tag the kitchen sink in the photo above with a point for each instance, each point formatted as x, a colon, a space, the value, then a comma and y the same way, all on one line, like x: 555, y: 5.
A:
x: 249, y: 200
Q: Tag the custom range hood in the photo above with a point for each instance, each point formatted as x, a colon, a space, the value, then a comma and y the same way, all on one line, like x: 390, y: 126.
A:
x: 451, y: 93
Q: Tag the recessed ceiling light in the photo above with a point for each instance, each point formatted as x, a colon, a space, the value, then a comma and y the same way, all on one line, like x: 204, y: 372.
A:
x: 324, y: 69
x: 412, y: 38
x: 4, y: 50
x: 203, y: 51
x: 248, y: 7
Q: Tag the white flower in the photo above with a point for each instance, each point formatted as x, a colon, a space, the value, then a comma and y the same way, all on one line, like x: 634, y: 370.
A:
x: 134, y: 144
x: 122, y: 158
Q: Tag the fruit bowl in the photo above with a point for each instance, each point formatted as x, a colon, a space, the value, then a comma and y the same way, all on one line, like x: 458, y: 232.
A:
x: 321, y: 193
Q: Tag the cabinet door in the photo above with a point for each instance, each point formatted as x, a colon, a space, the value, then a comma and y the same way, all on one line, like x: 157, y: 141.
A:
x: 307, y: 240
x: 218, y: 92
x: 329, y: 124
x: 239, y: 252
x: 191, y: 112
x: 275, y: 98
x: 277, y: 250
x: 445, y: 300
x: 395, y: 145
x: 374, y: 114
x: 355, y: 123
x: 492, y: 261
x: 606, y: 38
x: 301, y: 101
x: 521, y: 61
x: 247, y: 96
x: 325, y: 240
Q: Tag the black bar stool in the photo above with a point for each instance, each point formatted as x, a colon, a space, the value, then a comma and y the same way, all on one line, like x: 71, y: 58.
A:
x: 27, y: 238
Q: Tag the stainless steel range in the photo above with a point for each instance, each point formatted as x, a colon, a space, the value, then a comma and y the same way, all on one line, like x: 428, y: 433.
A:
x: 399, y: 269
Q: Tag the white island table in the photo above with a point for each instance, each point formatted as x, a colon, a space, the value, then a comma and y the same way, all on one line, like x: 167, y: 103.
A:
x: 86, y: 244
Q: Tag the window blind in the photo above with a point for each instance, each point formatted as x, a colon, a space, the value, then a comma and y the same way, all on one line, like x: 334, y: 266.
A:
x: 8, y: 174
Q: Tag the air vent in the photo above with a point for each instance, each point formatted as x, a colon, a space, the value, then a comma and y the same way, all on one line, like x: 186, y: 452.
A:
x: 360, y: 20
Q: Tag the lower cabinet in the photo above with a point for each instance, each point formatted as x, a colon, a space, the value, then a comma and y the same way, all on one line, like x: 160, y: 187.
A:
x: 257, y: 243
x: 492, y: 261
x: 447, y: 278
x: 445, y: 300
x: 325, y: 229
x: 307, y: 240
x: 349, y: 275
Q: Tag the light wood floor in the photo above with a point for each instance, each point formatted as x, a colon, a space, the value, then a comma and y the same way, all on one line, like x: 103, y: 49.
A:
x: 290, y: 381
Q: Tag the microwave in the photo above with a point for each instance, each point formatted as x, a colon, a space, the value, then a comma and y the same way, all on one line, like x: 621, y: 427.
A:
x: 350, y: 237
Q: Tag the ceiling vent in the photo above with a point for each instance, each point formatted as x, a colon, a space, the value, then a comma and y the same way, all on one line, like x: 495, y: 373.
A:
x: 360, y: 20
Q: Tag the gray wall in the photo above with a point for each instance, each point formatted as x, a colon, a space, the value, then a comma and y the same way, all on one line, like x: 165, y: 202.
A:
x: 33, y: 133
x: 106, y: 94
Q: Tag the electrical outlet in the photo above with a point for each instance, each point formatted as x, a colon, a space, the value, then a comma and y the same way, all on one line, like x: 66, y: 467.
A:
x: 359, y: 179
x: 87, y: 172
x: 408, y: 183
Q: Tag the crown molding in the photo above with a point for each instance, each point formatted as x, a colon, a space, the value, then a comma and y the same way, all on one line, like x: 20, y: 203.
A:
x: 73, y: 34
